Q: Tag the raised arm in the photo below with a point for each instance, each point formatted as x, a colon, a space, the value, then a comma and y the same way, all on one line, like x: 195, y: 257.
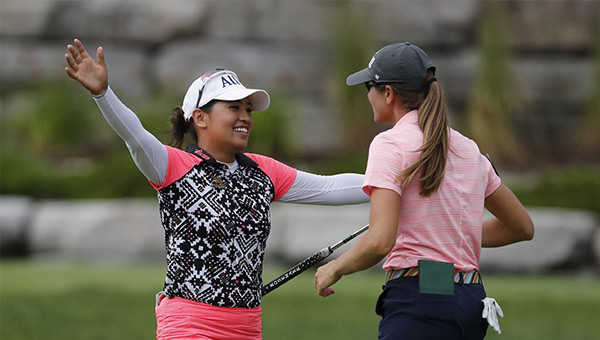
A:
x: 149, y: 154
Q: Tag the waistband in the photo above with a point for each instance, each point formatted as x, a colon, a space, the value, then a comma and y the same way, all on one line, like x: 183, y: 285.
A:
x: 459, y: 277
x: 179, y: 318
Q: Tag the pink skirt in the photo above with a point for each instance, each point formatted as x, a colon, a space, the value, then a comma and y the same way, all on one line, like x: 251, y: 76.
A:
x: 178, y: 318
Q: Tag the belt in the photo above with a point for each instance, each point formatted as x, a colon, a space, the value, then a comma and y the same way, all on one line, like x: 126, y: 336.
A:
x: 459, y: 277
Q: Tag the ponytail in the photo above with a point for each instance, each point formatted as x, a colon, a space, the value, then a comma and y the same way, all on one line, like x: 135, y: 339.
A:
x: 179, y: 127
x: 433, y: 121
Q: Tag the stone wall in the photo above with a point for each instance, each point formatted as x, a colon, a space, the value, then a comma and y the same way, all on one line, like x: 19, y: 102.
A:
x: 129, y: 231
x: 285, y: 47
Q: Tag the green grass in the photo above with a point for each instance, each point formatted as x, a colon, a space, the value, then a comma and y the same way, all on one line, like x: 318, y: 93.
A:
x: 45, y: 301
x: 59, y: 301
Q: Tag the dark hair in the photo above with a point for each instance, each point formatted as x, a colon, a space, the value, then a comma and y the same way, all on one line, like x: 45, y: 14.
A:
x: 433, y: 121
x: 180, y: 127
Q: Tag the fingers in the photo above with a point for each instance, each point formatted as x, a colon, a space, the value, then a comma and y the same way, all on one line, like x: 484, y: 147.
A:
x: 73, y: 58
x: 70, y: 61
x: 75, y: 55
x: 72, y: 65
x: 100, y: 56
x: 323, y: 281
x: 326, y: 292
x: 70, y: 73
x: 499, y: 310
x: 81, y: 49
x: 78, y: 53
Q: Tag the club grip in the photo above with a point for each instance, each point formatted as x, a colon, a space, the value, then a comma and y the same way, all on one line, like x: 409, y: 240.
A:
x: 296, y: 270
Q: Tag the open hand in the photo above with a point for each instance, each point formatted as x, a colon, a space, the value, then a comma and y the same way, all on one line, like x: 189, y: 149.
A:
x: 90, y: 73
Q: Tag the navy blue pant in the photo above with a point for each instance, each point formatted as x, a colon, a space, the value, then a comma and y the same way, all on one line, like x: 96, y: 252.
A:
x: 408, y: 314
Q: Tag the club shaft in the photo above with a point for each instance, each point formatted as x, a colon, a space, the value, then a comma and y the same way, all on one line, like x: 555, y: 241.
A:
x: 349, y: 238
x: 296, y: 270
x: 308, y: 262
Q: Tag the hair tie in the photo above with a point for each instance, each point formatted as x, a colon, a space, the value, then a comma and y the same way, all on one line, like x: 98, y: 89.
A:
x: 431, y: 80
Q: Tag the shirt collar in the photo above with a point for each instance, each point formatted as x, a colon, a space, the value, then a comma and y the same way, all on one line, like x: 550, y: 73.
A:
x: 408, y: 118
x: 241, y: 158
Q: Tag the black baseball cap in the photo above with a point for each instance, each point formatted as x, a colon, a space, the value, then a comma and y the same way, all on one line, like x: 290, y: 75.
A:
x: 403, y: 64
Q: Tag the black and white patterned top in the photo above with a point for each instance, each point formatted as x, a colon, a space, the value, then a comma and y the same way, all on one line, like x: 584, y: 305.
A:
x: 216, y: 226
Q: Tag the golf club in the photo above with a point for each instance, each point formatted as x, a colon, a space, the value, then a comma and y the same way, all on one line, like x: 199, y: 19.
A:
x: 308, y: 262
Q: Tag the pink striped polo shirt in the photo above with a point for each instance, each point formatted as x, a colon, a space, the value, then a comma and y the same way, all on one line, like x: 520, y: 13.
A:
x: 447, y: 225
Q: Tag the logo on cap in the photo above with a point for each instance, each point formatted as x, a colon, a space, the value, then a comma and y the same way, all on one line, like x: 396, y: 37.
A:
x: 372, y: 61
x: 229, y: 79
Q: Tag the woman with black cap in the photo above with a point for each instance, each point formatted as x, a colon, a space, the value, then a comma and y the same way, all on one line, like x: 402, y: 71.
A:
x: 428, y: 186
x: 214, y: 200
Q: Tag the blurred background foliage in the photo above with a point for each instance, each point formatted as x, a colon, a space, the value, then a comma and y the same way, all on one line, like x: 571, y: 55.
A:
x: 497, y: 95
x: 272, y: 132
x: 573, y: 187
x: 589, y: 127
x: 55, y: 144
x: 353, y: 48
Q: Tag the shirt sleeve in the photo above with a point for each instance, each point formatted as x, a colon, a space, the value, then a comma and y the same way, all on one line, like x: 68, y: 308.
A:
x: 383, y: 166
x: 494, y: 180
x: 328, y: 190
x: 282, y: 176
x: 148, y: 153
x: 180, y: 163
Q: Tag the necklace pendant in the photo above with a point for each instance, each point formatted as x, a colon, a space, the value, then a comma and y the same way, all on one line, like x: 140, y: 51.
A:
x: 218, y: 182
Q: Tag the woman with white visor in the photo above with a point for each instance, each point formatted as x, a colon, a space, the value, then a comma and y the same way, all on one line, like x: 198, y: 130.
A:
x: 214, y: 199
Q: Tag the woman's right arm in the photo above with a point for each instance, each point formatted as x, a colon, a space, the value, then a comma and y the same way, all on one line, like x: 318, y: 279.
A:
x: 511, y: 222
x: 149, y: 154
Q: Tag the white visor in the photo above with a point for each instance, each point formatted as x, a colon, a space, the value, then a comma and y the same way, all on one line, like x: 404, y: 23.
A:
x: 221, y: 85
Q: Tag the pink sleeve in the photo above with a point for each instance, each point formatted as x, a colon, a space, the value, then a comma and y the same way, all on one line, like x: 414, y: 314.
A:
x: 282, y: 176
x: 383, y: 166
x: 493, y: 179
x: 180, y: 162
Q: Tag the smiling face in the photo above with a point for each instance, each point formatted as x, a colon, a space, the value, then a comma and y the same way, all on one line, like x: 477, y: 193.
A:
x: 225, y: 130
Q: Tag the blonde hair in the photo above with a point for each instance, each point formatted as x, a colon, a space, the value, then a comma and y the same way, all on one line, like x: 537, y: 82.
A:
x: 433, y: 121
